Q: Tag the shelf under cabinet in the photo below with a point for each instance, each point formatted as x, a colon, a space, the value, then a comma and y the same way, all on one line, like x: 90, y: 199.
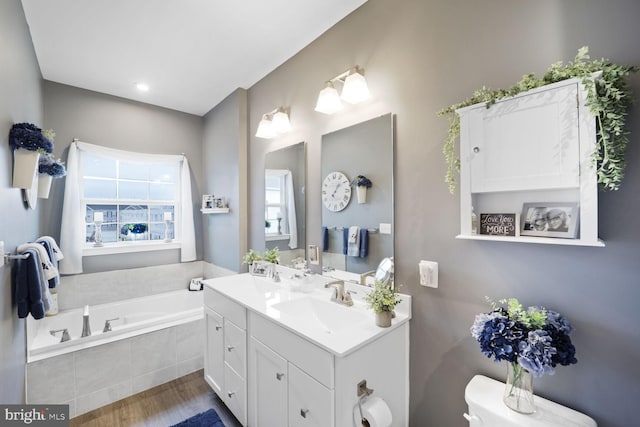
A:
x: 527, y: 239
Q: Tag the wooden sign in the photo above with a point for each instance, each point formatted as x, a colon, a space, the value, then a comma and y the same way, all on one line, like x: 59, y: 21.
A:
x: 498, y: 224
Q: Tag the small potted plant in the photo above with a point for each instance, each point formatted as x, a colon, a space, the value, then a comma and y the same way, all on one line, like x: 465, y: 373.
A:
x: 382, y: 299
x: 272, y: 255
x: 361, y: 183
x: 49, y: 168
x: 250, y: 257
x: 28, y: 141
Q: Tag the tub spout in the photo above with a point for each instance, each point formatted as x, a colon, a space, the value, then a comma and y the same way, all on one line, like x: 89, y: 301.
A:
x: 86, y: 328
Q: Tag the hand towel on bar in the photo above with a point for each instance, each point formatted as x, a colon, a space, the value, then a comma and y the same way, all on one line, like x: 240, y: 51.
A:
x: 345, y: 240
x: 364, y: 242
x: 325, y: 239
x: 353, y: 247
x: 28, y: 281
x: 53, y: 283
x: 49, y: 270
x: 54, y: 247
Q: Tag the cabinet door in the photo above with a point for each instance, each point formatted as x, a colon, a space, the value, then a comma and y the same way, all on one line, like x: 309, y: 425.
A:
x: 310, y: 403
x: 235, y: 347
x: 214, y: 350
x: 268, y: 386
x: 529, y: 142
x: 235, y: 394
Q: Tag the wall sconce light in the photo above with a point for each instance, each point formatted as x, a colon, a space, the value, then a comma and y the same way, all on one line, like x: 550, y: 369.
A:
x: 274, y: 123
x: 354, y: 91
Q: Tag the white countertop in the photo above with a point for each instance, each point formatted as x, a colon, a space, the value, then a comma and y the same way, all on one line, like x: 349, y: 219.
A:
x: 312, y: 316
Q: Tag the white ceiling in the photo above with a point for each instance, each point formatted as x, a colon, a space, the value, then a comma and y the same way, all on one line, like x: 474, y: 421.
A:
x: 191, y: 53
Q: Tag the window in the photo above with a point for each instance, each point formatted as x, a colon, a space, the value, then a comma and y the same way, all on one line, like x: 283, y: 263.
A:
x: 133, y: 192
x: 275, y: 204
x: 134, y: 198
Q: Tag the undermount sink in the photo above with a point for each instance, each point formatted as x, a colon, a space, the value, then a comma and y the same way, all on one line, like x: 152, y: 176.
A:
x: 330, y: 316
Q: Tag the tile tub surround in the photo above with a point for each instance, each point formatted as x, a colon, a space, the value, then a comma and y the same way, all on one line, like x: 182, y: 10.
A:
x: 94, y: 377
x: 98, y: 288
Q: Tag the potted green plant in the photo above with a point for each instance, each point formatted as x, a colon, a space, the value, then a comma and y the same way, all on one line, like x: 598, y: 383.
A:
x: 361, y: 183
x: 383, y: 299
x: 608, y: 97
x: 272, y: 255
x: 49, y: 169
x: 250, y: 257
x: 28, y: 141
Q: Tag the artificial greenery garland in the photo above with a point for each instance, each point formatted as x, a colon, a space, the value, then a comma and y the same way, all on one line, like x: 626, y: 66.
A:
x: 608, y: 98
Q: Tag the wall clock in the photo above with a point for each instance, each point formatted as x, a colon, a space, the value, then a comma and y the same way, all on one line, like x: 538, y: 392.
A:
x: 336, y: 191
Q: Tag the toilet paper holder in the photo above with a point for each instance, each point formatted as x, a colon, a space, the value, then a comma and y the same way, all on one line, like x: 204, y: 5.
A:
x: 363, y: 390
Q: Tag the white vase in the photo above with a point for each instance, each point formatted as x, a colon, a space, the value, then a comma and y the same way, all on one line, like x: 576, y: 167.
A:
x: 44, y: 185
x: 25, y: 167
x: 383, y: 319
x: 361, y: 191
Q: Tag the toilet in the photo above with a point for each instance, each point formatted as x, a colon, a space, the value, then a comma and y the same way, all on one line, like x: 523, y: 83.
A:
x: 486, y: 409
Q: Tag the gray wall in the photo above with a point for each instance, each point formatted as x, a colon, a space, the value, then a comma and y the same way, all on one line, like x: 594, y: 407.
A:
x: 128, y: 125
x: 20, y: 101
x: 422, y: 56
x: 224, y: 153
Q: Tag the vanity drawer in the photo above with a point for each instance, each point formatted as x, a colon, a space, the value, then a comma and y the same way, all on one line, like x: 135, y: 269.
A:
x: 235, y: 347
x: 310, y: 403
x: 235, y: 394
x: 226, y: 307
x: 312, y: 359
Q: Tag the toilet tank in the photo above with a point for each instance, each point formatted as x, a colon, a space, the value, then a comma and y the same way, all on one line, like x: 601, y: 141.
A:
x: 486, y: 409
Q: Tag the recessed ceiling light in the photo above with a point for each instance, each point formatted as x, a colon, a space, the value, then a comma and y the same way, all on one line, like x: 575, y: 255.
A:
x: 142, y: 87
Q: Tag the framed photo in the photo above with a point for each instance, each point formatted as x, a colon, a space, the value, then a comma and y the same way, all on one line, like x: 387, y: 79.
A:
x: 219, y: 202
x: 208, y: 201
x: 259, y: 268
x: 550, y: 220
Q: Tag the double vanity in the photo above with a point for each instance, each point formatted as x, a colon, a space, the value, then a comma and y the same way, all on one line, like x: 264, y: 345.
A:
x: 283, y: 353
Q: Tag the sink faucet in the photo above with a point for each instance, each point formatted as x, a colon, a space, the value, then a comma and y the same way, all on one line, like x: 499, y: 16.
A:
x: 339, y: 295
x: 65, y: 334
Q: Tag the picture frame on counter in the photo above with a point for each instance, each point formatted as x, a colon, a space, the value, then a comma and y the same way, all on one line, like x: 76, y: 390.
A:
x: 550, y: 219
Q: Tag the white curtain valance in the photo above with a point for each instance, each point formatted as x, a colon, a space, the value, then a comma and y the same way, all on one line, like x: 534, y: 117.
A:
x: 72, y: 236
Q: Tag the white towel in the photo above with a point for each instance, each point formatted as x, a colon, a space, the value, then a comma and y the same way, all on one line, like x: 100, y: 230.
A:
x: 49, y: 271
x: 54, y: 246
x: 353, y: 242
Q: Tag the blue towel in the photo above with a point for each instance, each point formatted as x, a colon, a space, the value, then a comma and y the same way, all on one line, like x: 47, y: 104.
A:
x: 325, y: 239
x: 28, y: 281
x: 364, y: 242
x: 345, y: 240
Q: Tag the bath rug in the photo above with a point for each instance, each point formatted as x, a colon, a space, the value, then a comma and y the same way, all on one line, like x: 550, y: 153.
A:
x: 208, y: 418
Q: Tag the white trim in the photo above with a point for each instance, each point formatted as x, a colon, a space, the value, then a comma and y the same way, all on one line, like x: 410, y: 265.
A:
x: 273, y: 237
x: 122, y: 248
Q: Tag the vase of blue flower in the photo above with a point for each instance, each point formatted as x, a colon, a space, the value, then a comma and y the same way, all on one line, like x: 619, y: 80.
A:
x: 49, y: 169
x: 28, y: 142
x: 532, y: 341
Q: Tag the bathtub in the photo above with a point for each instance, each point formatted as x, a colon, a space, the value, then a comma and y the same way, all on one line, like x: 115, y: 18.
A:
x: 135, y: 316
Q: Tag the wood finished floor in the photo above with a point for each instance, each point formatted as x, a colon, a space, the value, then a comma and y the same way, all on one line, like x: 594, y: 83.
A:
x: 161, y: 406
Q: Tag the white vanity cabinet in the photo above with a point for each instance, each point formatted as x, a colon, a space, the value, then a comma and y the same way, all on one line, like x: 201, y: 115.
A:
x: 535, y: 147
x: 225, y: 364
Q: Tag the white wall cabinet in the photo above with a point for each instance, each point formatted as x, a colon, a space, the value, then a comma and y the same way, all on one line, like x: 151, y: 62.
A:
x: 535, y: 147
x: 225, y: 352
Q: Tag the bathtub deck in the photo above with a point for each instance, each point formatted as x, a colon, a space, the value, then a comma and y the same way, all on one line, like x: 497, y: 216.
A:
x: 163, y: 405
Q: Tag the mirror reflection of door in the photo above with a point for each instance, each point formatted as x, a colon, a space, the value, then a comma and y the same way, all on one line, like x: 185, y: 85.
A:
x: 364, y: 149
x: 285, y: 203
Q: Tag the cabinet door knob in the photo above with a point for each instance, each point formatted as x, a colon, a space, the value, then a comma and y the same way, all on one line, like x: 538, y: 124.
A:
x: 230, y: 347
x: 476, y: 149
x: 218, y: 327
x: 279, y: 376
x: 231, y: 393
x: 304, y: 412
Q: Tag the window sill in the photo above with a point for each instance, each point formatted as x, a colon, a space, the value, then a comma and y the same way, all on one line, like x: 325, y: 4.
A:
x: 122, y: 248
x: 272, y: 237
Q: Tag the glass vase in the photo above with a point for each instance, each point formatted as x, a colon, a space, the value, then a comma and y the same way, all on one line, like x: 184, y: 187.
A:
x: 518, y: 390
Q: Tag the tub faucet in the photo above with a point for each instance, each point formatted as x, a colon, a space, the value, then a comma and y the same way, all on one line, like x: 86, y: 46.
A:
x: 339, y: 295
x: 107, y: 324
x: 86, y: 328
x: 65, y: 334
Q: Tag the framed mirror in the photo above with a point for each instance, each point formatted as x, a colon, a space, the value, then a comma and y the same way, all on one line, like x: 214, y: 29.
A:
x: 357, y: 229
x: 285, y: 203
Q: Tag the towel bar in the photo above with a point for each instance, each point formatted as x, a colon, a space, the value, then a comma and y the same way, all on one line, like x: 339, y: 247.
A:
x: 7, y: 257
x: 370, y: 230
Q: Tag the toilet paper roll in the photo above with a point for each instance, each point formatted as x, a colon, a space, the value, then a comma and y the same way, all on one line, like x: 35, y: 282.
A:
x: 375, y: 410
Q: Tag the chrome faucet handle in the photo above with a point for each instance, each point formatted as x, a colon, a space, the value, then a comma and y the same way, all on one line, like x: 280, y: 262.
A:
x: 65, y: 334
x: 347, y: 300
x: 338, y: 293
x: 107, y: 324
